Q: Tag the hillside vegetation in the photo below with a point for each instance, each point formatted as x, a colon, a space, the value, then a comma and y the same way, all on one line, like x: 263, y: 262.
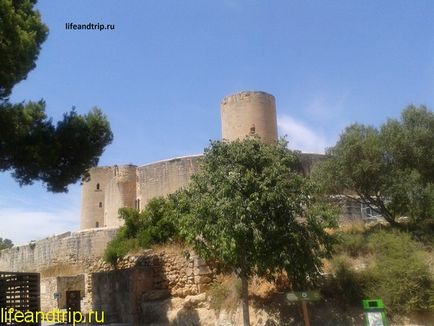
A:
x: 380, y: 262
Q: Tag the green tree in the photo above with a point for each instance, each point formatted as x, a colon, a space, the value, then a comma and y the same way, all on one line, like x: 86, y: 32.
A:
x: 21, y: 35
x: 31, y: 146
x: 390, y: 169
x: 5, y: 244
x: 252, y: 211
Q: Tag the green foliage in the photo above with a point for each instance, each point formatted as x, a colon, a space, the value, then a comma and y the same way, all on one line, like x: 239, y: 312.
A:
x: 5, y: 244
x: 21, y: 36
x: 118, y: 248
x: 391, y: 169
x: 156, y: 224
x: 398, y: 273
x: 346, y: 285
x: 249, y: 200
x: 353, y: 244
x: 32, y: 147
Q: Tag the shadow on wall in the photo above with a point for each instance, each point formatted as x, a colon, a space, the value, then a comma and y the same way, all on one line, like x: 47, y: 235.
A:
x: 120, y: 293
x: 187, y: 316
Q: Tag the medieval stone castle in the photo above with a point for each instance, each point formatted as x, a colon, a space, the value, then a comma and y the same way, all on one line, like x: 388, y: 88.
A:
x: 113, y: 187
x: 73, y: 275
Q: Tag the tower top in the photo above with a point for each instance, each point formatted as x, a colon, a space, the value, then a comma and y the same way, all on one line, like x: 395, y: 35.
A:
x: 249, y: 112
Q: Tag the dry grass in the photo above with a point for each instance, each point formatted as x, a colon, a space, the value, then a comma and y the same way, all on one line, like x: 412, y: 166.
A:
x: 353, y: 227
x: 225, y: 293
x: 261, y: 288
x: 170, y: 248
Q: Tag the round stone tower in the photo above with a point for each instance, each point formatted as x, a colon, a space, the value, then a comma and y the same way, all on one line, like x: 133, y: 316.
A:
x: 248, y: 113
x: 121, y: 192
x: 93, y: 196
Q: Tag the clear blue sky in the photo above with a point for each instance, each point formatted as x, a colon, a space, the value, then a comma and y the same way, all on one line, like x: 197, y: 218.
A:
x: 160, y: 76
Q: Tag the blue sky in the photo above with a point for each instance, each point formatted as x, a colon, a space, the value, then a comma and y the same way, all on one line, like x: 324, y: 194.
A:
x: 160, y: 76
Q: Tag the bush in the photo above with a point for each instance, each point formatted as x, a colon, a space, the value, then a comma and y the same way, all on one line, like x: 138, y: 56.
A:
x: 346, y: 285
x: 399, y: 274
x: 156, y: 224
x: 5, y: 244
x: 423, y: 233
x: 353, y: 244
x: 118, y: 248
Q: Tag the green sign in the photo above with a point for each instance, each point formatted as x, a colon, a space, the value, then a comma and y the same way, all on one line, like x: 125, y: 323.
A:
x: 303, y: 296
x: 374, y: 312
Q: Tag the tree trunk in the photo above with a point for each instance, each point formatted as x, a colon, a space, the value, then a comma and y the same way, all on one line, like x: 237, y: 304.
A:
x: 245, y: 299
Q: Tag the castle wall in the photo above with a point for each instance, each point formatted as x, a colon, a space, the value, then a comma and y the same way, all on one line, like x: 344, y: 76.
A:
x: 48, y: 288
x: 131, y: 186
x: 308, y: 160
x: 111, y: 188
x: 121, y: 192
x: 92, y: 197
x: 60, y: 285
x: 164, y: 177
x: 66, y: 254
x: 249, y: 113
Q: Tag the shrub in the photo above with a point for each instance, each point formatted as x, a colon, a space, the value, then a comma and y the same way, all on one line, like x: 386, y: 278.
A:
x: 118, y: 248
x: 156, y: 224
x: 345, y: 285
x: 353, y: 244
x: 399, y: 274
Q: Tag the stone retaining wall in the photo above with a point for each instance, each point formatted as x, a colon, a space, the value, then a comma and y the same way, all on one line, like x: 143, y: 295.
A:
x: 152, y: 276
x: 75, y: 249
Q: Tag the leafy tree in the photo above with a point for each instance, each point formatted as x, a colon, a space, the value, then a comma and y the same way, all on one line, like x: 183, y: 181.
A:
x: 390, y: 169
x: 30, y: 145
x: 5, y: 244
x: 252, y: 211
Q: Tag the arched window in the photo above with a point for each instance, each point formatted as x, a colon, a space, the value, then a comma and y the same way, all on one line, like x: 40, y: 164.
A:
x: 97, y: 186
x: 100, y: 204
x: 97, y: 224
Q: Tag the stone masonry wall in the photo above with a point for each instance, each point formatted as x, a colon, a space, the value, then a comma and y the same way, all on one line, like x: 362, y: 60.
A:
x: 149, y: 277
x: 164, y: 177
x: 65, y: 254
x: 48, y: 288
x: 72, y: 261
